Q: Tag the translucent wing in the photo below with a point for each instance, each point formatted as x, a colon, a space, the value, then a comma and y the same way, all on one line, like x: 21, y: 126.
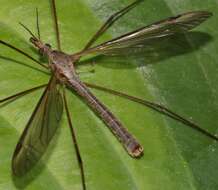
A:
x: 39, y: 130
x: 138, y: 38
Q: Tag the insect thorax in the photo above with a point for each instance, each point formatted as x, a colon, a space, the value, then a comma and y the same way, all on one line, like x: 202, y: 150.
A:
x: 61, y: 64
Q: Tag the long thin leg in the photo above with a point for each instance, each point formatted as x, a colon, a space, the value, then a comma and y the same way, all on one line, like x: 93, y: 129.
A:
x: 22, y: 93
x: 22, y: 52
x: 79, y: 158
x: 155, y: 107
x: 54, y: 11
x: 109, y: 22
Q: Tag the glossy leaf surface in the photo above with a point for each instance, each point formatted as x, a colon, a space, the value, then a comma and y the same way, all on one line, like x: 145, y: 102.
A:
x: 181, y: 74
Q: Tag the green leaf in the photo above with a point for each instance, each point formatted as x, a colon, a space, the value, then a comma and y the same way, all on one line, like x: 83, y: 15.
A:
x: 183, y: 78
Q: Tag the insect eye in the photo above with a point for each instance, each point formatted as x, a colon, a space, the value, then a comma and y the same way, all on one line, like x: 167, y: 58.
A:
x: 48, y: 45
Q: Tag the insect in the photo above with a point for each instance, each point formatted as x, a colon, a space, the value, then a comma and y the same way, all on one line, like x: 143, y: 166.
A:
x: 46, y: 117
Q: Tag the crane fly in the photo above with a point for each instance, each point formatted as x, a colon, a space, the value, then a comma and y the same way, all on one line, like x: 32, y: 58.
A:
x: 47, y: 114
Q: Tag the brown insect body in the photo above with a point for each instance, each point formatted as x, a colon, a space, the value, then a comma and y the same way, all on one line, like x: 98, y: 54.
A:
x: 63, y: 68
x: 46, y: 116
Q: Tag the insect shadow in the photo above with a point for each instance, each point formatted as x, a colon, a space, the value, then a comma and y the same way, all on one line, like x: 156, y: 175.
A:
x: 9, y: 132
x: 46, y: 116
x: 24, y: 181
x: 153, y: 52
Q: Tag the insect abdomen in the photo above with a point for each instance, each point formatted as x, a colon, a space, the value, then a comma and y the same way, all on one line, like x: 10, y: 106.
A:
x: 131, y: 145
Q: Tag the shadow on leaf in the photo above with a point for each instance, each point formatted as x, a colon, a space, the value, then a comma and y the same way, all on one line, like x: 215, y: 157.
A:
x: 153, y: 51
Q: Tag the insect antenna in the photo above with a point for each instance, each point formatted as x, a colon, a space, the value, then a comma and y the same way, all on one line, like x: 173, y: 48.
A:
x: 28, y: 30
x: 37, y: 23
